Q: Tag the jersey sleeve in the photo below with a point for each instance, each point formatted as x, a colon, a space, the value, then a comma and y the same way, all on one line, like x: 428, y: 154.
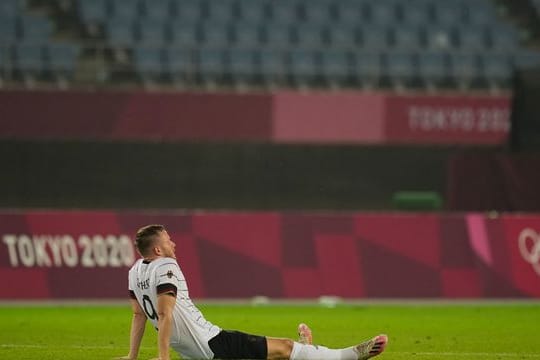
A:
x: 131, y: 288
x: 168, y: 279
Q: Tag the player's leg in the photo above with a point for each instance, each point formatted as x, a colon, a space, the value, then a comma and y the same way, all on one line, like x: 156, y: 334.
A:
x: 288, y: 349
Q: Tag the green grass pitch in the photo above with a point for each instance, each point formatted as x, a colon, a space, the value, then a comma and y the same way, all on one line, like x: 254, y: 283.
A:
x: 416, y: 331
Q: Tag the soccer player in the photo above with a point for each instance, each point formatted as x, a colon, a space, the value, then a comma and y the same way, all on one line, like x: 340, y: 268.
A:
x: 159, y: 293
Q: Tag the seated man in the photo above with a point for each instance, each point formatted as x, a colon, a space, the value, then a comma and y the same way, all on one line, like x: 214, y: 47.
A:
x: 159, y: 293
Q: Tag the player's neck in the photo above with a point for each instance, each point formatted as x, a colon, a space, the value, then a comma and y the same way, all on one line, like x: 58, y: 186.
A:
x: 148, y: 259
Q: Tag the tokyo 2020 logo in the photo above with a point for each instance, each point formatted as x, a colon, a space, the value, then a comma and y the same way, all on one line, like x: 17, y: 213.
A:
x: 529, y: 247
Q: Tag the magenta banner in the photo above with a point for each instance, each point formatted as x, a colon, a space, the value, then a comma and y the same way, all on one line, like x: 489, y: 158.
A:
x: 447, y: 119
x: 59, y: 255
x: 282, y: 117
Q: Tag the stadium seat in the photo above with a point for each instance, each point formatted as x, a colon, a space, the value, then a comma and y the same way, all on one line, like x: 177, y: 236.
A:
x: 309, y: 36
x: 342, y: 36
x: 92, y: 14
x: 189, y: 11
x: 464, y: 69
x: 222, y: 11
x: 148, y: 62
x: 439, y: 38
x: 448, y: 13
x: 156, y: 10
x: 9, y: 9
x: 303, y: 67
x: 400, y: 69
x: 496, y: 69
x: 350, y: 13
x: 253, y: 11
x: 381, y: 13
x: 277, y: 35
x: 374, y: 37
x: 271, y: 66
x: 503, y: 38
x: 242, y: 65
x: 317, y: 13
x: 35, y: 29
x: 62, y: 58
x: 184, y: 34
x: 92, y: 11
x: 120, y: 33
x: 8, y: 30
x: 178, y: 64
x: 480, y: 13
x: 246, y: 34
x: 367, y: 67
x: 127, y: 10
x: 406, y: 37
x: 336, y: 66
x: 215, y: 34
x: 5, y: 62
x: 29, y: 59
x: 210, y: 65
x: 416, y: 13
x: 152, y: 32
x: 284, y: 11
x: 472, y: 38
x: 433, y: 68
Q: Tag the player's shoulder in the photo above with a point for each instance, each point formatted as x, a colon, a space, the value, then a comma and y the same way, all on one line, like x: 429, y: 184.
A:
x: 165, y: 262
x: 136, y: 265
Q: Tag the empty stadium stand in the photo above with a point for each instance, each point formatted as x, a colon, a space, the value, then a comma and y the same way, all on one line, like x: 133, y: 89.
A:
x: 306, y: 43
x: 28, y: 52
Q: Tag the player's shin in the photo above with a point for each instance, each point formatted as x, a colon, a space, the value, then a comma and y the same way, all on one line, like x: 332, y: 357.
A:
x: 312, y: 352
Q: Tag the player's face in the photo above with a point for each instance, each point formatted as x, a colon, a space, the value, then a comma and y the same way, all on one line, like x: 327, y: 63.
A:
x: 166, y: 245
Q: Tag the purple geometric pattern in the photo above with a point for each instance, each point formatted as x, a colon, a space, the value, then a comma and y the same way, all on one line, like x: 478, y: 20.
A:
x: 281, y: 255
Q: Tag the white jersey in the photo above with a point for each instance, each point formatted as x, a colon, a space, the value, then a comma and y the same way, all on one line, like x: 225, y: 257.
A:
x: 190, y: 330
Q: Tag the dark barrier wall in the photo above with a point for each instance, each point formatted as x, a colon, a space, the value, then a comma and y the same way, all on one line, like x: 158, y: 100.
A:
x: 283, y: 255
x: 483, y: 181
x: 525, y: 134
x: 251, y: 176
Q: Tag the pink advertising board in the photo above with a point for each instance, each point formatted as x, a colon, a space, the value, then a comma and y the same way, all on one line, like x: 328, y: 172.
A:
x: 66, y: 255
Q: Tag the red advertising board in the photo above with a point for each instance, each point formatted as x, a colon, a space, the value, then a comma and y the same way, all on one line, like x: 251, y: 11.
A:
x: 447, y: 119
x: 56, y: 255
x: 111, y: 115
x: 282, y: 117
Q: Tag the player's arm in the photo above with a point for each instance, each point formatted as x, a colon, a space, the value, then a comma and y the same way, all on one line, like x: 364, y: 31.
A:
x: 165, y: 305
x: 138, y: 324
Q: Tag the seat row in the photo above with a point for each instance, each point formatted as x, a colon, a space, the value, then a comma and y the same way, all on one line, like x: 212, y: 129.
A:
x: 29, y: 28
x: 39, y: 59
x: 305, y: 66
x: 123, y: 33
x: 536, y: 4
x: 291, y: 11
